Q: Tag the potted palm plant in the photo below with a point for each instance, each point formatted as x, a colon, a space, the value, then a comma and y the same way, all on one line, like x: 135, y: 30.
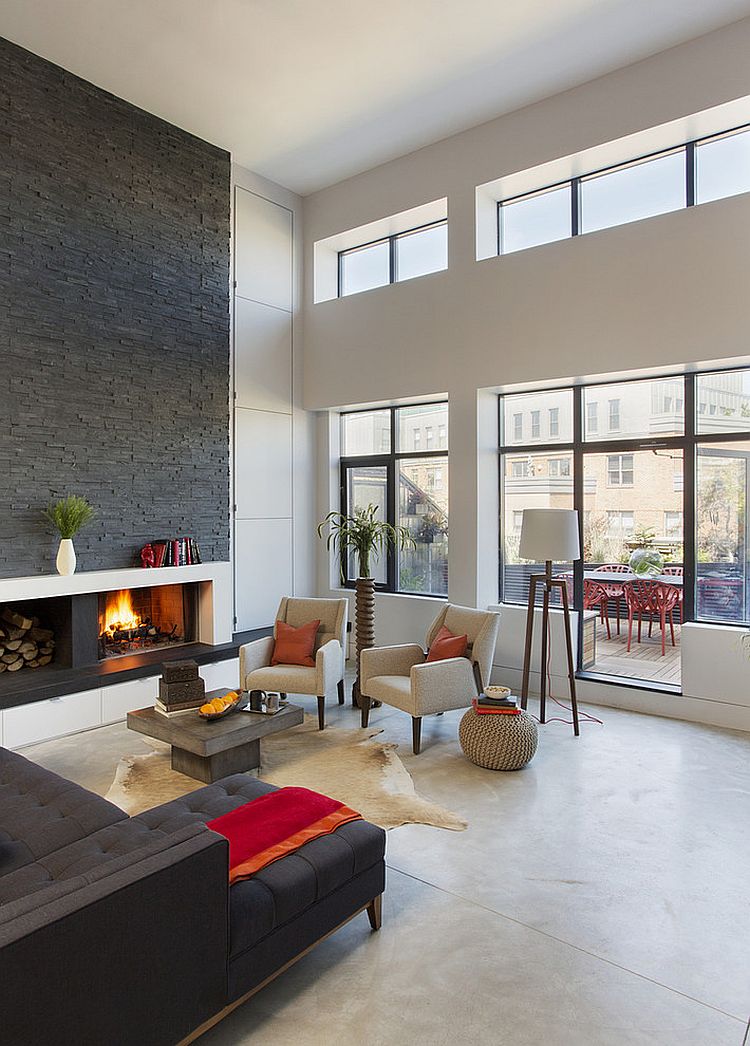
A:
x: 68, y: 516
x: 363, y: 535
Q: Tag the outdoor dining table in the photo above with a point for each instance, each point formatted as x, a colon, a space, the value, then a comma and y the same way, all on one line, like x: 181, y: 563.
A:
x: 619, y: 578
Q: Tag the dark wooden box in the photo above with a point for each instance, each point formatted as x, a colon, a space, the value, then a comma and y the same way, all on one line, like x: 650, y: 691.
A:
x: 182, y: 693
x: 179, y: 671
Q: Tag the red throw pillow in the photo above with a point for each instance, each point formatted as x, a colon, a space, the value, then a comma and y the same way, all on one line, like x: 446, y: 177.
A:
x: 447, y: 644
x: 295, y: 646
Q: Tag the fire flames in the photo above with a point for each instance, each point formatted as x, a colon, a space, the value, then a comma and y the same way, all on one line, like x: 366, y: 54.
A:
x: 119, y: 614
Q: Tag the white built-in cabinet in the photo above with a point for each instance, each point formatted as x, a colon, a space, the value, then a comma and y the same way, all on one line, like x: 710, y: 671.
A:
x: 263, y: 456
x: 43, y: 720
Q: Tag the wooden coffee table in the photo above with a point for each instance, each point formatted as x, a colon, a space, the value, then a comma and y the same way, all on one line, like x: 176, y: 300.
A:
x: 209, y: 750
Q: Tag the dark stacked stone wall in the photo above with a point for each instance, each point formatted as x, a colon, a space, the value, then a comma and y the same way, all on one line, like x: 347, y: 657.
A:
x: 114, y: 322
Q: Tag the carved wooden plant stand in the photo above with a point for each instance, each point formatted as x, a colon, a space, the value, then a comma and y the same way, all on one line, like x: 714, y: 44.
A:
x: 364, y: 623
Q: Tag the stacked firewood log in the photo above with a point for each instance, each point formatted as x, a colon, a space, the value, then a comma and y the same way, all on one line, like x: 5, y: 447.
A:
x: 23, y: 643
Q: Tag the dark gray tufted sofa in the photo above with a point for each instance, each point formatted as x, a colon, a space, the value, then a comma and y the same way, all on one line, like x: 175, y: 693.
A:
x: 124, y: 930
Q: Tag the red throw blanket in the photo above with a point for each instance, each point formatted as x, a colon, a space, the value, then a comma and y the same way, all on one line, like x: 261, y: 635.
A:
x: 276, y: 824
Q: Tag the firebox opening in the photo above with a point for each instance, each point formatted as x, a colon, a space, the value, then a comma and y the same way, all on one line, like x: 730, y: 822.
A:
x: 136, y: 619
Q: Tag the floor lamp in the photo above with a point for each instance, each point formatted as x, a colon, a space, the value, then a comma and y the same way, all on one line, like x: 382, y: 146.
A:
x: 547, y: 535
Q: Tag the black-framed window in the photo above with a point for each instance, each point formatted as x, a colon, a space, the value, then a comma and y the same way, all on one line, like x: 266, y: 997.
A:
x: 675, y: 477
x: 393, y: 259
x: 397, y: 459
x: 687, y: 174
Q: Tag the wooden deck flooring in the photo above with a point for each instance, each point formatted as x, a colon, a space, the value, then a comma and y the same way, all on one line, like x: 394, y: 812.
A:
x: 644, y: 661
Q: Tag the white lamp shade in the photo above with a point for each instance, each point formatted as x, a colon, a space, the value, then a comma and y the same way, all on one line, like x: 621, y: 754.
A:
x: 549, y: 533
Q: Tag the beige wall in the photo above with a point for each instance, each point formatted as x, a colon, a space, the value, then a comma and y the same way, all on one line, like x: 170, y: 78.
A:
x: 664, y: 292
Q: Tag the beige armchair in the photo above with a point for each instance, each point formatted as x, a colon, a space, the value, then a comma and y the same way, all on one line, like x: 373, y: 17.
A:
x: 257, y: 672
x: 401, y: 675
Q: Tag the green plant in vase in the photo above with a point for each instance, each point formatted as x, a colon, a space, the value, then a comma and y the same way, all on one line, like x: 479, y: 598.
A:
x: 68, y: 516
x: 363, y: 535
x: 646, y: 561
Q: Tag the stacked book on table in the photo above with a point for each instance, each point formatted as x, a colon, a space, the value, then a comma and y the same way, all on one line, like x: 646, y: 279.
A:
x: 181, y: 689
x: 485, y: 705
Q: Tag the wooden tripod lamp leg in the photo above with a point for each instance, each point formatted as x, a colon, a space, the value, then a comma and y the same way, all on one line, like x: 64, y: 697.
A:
x: 543, y: 663
x: 527, y: 646
x: 569, y: 651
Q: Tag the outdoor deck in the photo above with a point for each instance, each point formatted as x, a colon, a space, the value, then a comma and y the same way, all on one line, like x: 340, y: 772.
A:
x: 644, y: 660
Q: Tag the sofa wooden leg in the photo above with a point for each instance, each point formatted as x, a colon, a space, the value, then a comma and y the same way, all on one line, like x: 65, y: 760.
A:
x: 416, y: 733
x: 341, y: 691
x: 321, y: 713
x: 364, y: 704
x: 375, y: 912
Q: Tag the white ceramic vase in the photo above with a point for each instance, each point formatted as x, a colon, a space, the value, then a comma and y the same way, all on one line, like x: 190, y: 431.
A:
x: 66, y: 557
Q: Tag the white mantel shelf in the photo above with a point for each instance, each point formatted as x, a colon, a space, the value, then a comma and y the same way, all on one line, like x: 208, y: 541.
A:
x: 215, y: 605
x: 42, y: 585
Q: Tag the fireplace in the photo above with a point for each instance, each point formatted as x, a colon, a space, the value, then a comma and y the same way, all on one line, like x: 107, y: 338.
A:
x: 132, y: 620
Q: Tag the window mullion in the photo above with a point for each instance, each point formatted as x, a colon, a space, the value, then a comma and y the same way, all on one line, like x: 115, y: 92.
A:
x: 392, y: 494
x: 688, y: 503
x: 578, y: 506
x: 575, y: 206
x: 690, y: 174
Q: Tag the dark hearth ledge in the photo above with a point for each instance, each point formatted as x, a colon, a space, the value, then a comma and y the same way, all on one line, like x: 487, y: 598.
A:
x: 53, y: 681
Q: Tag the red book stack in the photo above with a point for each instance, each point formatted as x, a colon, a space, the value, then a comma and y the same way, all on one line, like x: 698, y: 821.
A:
x: 484, y: 705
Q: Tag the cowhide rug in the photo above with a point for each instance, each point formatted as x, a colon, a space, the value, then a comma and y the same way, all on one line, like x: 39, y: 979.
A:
x: 352, y: 767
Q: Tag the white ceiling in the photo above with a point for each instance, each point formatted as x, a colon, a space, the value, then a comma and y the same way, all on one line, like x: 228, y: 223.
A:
x: 307, y: 92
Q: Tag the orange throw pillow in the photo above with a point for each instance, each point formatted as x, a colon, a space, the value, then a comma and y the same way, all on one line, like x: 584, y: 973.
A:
x: 446, y: 644
x: 295, y: 646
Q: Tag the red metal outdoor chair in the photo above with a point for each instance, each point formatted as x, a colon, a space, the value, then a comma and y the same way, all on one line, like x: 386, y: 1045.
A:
x: 614, y: 588
x: 676, y: 572
x: 652, y: 598
x: 596, y: 597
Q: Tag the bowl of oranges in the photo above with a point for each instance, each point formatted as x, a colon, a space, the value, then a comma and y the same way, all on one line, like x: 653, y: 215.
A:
x: 222, y: 706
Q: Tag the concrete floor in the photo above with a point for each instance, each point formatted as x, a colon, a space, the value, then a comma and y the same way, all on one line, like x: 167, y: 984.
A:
x: 598, y: 898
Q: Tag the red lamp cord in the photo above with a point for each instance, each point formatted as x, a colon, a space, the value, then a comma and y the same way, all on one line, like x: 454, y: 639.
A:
x: 583, y: 717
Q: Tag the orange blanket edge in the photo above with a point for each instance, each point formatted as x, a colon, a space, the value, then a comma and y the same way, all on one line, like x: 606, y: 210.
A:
x: 324, y: 826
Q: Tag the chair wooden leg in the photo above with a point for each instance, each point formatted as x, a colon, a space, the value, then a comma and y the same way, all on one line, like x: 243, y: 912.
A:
x: 375, y: 912
x: 364, y: 705
x: 321, y: 713
x: 341, y: 691
x: 416, y: 733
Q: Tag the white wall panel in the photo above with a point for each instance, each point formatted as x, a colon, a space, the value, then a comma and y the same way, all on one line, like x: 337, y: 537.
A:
x: 263, y: 464
x: 263, y: 356
x: 263, y: 250
x: 221, y: 673
x: 41, y: 720
x: 122, y: 698
x: 263, y: 557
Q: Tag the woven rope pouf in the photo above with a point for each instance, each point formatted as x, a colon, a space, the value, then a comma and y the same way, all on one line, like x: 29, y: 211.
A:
x: 498, y: 742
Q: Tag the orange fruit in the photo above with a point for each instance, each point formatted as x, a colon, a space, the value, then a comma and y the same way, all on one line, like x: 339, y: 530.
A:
x: 207, y: 709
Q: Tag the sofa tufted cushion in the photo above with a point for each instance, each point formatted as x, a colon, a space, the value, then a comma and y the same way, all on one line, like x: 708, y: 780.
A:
x: 205, y: 803
x: 283, y: 890
x: 41, y: 812
x: 287, y: 887
x: 87, y: 860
